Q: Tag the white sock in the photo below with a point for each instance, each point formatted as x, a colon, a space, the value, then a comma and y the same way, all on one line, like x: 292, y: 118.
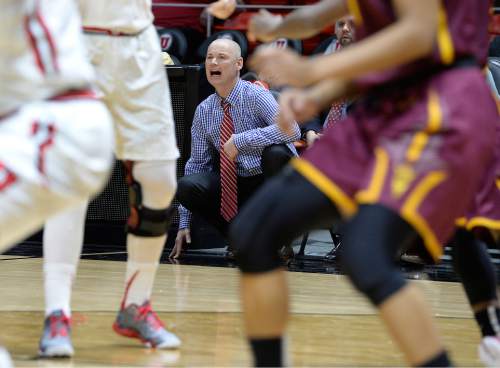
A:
x: 62, y: 245
x: 143, y: 259
x: 158, y: 184
x: 58, y: 281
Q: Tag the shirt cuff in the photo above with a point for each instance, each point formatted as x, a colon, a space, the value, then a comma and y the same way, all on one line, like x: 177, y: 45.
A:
x: 240, y: 142
x: 184, y: 218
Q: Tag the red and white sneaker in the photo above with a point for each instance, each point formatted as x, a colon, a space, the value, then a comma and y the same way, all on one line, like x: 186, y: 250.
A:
x: 142, y: 323
x: 56, y: 336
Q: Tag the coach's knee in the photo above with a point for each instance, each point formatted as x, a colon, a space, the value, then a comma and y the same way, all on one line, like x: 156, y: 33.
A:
x: 256, y: 248
x: 274, y: 158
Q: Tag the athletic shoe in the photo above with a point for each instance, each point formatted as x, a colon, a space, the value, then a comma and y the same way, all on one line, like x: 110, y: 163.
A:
x: 142, y: 323
x: 489, y: 351
x: 56, y: 337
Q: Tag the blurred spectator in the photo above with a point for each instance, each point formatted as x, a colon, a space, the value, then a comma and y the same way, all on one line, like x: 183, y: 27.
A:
x: 345, y: 33
x: 187, y: 20
x: 235, y: 144
x: 167, y: 59
x: 180, y: 17
x: 190, y: 21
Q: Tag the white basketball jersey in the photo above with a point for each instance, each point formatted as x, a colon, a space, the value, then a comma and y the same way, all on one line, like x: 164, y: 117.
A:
x: 42, y: 53
x: 127, y: 16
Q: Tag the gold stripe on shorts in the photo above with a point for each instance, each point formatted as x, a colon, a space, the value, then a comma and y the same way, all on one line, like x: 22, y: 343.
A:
x: 483, y: 222
x: 346, y: 205
x: 444, y: 39
x: 372, y: 193
x: 434, y: 120
x: 409, y: 211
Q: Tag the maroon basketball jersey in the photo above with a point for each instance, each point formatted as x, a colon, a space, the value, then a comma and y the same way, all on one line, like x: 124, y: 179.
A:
x: 462, y: 33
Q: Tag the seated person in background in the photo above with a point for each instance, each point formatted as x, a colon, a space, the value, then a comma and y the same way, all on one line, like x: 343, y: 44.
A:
x: 167, y: 59
x: 344, y: 30
x: 235, y: 144
x: 190, y: 20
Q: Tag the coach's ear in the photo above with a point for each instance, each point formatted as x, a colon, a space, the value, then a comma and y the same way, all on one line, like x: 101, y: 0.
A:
x: 239, y: 63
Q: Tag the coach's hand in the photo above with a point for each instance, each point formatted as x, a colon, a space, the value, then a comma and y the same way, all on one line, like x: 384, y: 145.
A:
x: 183, y: 235
x: 230, y: 149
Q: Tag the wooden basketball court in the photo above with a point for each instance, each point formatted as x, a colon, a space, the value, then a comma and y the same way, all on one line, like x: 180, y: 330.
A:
x: 330, y: 324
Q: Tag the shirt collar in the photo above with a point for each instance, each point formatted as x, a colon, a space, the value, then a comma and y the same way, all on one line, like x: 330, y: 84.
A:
x: 234, y: 95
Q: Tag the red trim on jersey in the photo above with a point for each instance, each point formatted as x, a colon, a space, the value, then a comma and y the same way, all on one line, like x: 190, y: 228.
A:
x: 35, y: 41
x: 46, y: 144
x: 75, y: 95
x: 9, y: 177
x: 105, y: 31
x: 33, y: 44
x: 50, y: 40
x: 86, y: 94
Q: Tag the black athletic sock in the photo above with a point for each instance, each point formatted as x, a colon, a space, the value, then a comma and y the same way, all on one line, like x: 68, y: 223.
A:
x: 440, y: 360
x: 488, y: 320
x: 268, y: 352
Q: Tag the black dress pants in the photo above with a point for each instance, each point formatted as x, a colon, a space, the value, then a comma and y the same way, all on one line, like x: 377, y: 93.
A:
x: 200, y: 193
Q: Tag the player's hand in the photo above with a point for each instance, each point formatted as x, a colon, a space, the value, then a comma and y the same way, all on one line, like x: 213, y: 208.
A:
x: 230, y: 148
x: 183, y: 236
x: 296, y: 105
x: 286, y: 67
x: 222, y: 9
x: 262, y: 26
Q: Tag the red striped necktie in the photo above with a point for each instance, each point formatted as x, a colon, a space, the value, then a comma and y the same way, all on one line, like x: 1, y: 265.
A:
x: 228, y: 177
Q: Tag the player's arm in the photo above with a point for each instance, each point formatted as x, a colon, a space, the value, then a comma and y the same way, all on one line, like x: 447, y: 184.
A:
x: 410, y: 37
x: 303, y: 104
x: 301, y: 23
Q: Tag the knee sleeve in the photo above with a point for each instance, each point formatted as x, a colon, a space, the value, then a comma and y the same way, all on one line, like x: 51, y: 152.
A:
x: 282, y: 209
x: 370, y: 244
x: 472, y: 263
x: 152, y: 186
x: 256, y: 248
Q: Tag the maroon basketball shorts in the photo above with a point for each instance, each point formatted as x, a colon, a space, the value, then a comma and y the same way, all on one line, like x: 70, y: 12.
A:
x: 485, y: 210
x: 421, y: 150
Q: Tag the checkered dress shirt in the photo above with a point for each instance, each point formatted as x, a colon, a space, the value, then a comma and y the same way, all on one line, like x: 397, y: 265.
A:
x: 253, y: 110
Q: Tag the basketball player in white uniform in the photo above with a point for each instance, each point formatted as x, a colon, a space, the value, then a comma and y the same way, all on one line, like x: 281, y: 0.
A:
x: 56, y: 138
x: 123, y: 47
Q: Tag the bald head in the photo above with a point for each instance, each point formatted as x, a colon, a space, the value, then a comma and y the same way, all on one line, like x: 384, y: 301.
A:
x: 225, y: 45
x: 223, y: 64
